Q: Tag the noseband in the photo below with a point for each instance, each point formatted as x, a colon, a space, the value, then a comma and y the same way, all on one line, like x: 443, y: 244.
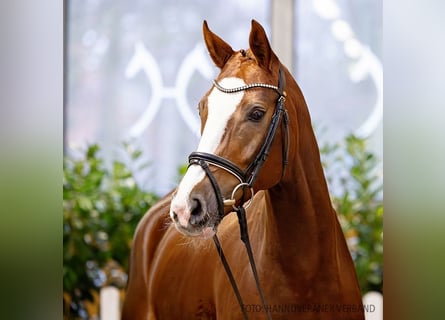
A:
x: 246, y: 177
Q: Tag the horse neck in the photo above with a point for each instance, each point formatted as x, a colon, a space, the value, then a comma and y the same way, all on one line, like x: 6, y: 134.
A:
x: 301, y: 219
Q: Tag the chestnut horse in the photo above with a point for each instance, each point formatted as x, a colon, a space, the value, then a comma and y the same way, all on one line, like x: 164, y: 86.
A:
x: 303, y: 263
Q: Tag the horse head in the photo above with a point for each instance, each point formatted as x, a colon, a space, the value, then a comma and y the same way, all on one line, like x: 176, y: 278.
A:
x: 237, y: 152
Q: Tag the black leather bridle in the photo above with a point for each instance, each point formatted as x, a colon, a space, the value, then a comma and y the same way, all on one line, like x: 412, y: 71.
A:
x: 246, y: 177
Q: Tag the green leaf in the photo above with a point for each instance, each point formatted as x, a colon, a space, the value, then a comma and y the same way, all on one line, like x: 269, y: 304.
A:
x: 357, y: 198
x: 101, y: 209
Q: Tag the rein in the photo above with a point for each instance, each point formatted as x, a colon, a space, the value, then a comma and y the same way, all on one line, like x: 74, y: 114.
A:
x: 246, y: 178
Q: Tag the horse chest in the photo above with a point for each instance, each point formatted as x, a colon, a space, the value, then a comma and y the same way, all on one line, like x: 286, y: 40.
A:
x: 181, y: 279
x: 187, y: 280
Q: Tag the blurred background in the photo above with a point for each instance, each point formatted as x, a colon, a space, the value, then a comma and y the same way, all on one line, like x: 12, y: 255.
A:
x: 136, y: 70
x: 134, y: 73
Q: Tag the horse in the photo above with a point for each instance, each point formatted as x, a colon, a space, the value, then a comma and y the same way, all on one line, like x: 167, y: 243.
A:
x: 303, y: 264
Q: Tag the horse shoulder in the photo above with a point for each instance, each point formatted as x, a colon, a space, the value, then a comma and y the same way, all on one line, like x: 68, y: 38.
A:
x: 148, y: 234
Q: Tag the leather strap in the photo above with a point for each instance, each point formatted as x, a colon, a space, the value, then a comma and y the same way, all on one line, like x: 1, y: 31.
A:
x: 230, y: 275
x: 204, y: 159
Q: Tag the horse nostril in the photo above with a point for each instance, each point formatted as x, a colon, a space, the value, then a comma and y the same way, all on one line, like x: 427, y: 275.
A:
x: 197, y: 212
x: 175, y: 216
x: 196, y: 207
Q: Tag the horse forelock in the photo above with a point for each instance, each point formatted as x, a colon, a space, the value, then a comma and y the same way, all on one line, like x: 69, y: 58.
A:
x: 243, y: 65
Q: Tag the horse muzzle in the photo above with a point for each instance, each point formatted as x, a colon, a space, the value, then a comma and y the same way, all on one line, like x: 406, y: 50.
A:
x: 196, y: 214
x: 204, y: 196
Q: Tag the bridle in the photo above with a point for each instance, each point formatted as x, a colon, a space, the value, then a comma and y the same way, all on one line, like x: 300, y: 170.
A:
x: 246, y: 177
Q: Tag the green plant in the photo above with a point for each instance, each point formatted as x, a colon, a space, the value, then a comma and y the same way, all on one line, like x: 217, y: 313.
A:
x: 354, y: 178
x: 101, y: 209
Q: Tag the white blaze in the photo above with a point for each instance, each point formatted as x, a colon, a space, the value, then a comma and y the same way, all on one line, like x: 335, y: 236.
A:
x: 220, y: 106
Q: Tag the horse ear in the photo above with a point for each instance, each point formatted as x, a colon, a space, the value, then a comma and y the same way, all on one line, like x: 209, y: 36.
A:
x: 218, y: 49
x: 260, y: 46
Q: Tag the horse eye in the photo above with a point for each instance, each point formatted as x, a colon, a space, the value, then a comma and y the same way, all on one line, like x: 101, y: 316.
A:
x: 256, y: 115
